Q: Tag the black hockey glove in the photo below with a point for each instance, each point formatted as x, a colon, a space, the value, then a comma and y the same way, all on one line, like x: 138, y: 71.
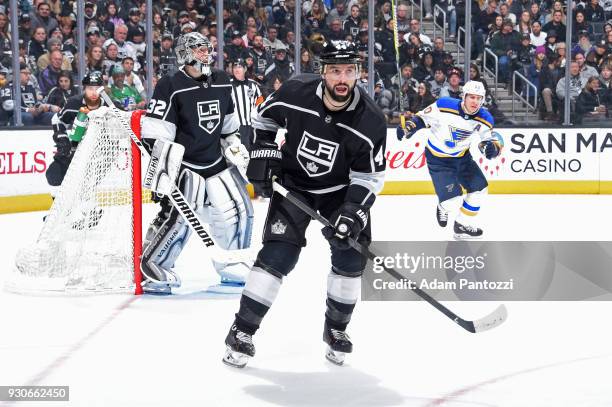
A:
x: 490, y: 148
x: 64, y: 147
x: 348, y: 221
x: 264, y: 165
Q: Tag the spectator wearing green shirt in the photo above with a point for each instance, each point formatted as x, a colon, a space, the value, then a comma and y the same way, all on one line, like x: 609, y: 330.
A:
x: 126, y: 95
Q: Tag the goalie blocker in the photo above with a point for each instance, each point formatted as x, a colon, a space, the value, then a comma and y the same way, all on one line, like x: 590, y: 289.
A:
x: 164, y: 166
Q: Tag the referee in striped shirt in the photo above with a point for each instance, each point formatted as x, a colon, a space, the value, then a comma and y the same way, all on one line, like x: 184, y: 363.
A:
x: 245, y: 93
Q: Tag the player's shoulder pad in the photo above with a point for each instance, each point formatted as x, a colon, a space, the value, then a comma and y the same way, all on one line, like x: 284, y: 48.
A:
x: 485, y: 117
x: 166, y: 83
x: 372, y: 111
x: 75, y: 102
x: 448, y: 104
x: 219, y: 77
x: 370, y: 121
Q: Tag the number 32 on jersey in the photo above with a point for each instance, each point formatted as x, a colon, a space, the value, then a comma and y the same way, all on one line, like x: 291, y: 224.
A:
x: 156, y: 107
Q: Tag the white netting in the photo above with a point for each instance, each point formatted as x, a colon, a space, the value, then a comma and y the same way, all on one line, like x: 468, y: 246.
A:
x: 86, y: 243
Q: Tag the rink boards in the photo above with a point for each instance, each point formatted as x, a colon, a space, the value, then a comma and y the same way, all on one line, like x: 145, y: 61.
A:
x: 533, y: 161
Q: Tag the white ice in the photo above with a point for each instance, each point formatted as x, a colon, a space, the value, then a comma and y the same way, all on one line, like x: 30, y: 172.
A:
x: 121, y: 350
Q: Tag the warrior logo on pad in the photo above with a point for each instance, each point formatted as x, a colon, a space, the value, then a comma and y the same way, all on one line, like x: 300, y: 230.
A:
x: 209, y: 115
x: 315, y: 155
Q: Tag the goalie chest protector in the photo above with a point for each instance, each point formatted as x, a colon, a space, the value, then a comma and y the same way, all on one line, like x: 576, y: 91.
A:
x: 201, y: 110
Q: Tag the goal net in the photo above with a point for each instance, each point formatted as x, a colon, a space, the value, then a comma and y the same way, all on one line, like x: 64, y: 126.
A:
x: 91, y: 238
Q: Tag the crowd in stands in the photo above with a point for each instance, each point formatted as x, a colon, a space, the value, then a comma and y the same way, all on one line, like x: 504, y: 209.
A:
x: 529, y: 37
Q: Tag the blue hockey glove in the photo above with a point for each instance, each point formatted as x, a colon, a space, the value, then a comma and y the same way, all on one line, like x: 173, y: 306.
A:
x: 407, y: 128
x: 490, y: 148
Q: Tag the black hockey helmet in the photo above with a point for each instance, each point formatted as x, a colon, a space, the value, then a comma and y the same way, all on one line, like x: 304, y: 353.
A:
x: 93, y: 78
x: 241, y: 62
x: 339, y: 52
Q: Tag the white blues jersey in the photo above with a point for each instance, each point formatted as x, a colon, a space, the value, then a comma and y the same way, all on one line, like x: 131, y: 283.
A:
x: 452, y: 129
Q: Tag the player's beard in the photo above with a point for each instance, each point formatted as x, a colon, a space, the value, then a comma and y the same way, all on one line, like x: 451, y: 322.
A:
x: 331, y: 92
x: 91, y: 102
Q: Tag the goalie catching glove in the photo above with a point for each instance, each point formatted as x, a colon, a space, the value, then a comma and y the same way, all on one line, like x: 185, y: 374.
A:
x: 348, y: 221
x: 164, y: 166
x: 264, y: 167
x: 235, y: 152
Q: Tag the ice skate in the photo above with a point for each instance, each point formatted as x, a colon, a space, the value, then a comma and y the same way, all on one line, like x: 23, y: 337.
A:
x: 158, y: 281
x: 239, y: 348
x: 467, y: 232
x: 441, y: 216
x: 339, y: 345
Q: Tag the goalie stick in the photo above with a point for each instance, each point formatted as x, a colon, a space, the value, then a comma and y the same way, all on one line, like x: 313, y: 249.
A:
x: 178, y: 200
x: 494, y: 319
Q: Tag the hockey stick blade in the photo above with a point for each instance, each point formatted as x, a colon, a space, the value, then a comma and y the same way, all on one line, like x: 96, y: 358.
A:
x: 490, y: 321
x: 178, y: 200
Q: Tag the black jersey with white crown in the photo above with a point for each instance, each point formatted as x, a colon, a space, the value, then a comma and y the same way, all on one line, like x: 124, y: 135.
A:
x: 324, y: 151
x: 192, y: 112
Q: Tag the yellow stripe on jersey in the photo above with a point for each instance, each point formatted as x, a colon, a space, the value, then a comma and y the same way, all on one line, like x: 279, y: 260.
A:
x: 444, y: 109
x: 446, y: 155
x: 480, y: 119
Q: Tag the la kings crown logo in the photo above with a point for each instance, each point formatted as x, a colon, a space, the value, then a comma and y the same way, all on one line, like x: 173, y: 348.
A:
x: 278, y: 228
x: 209, y: 115
x: 316, y: 155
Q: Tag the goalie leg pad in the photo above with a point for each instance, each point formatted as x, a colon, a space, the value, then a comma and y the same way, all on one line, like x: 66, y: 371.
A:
x: 169, y: 233
x: 230, y: 215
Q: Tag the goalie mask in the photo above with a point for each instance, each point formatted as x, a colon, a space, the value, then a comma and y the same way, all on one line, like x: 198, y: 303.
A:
x: 473, y: 88
x: 196, y: 50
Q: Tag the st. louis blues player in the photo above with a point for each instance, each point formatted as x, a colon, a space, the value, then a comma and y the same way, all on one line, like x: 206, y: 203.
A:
x: 453, y: 122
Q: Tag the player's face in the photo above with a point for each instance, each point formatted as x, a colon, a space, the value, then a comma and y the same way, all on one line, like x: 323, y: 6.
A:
x: 202, y: 54
x: 340, y: 80
x: 91, y: 96
x: 472, y: 103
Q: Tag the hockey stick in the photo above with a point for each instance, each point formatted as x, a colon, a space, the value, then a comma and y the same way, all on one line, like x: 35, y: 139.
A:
x: 178, y: 200
x: 490, y: 321
x: 397, y: 56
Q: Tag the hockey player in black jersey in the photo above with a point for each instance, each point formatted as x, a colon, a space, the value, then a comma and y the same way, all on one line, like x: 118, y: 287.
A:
x: 193, y: 108
x: 63, y: 124
x: 332, y: 159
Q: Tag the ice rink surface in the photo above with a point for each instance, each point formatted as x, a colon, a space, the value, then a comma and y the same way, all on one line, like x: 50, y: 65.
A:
x: 121, y: 350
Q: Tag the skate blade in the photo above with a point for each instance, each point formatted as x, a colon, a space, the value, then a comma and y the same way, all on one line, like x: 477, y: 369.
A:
x: 235, y: 359
x: 225, y: 288
x: 458, y: 236
x: 149, y: 287
x: 335, y: 357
